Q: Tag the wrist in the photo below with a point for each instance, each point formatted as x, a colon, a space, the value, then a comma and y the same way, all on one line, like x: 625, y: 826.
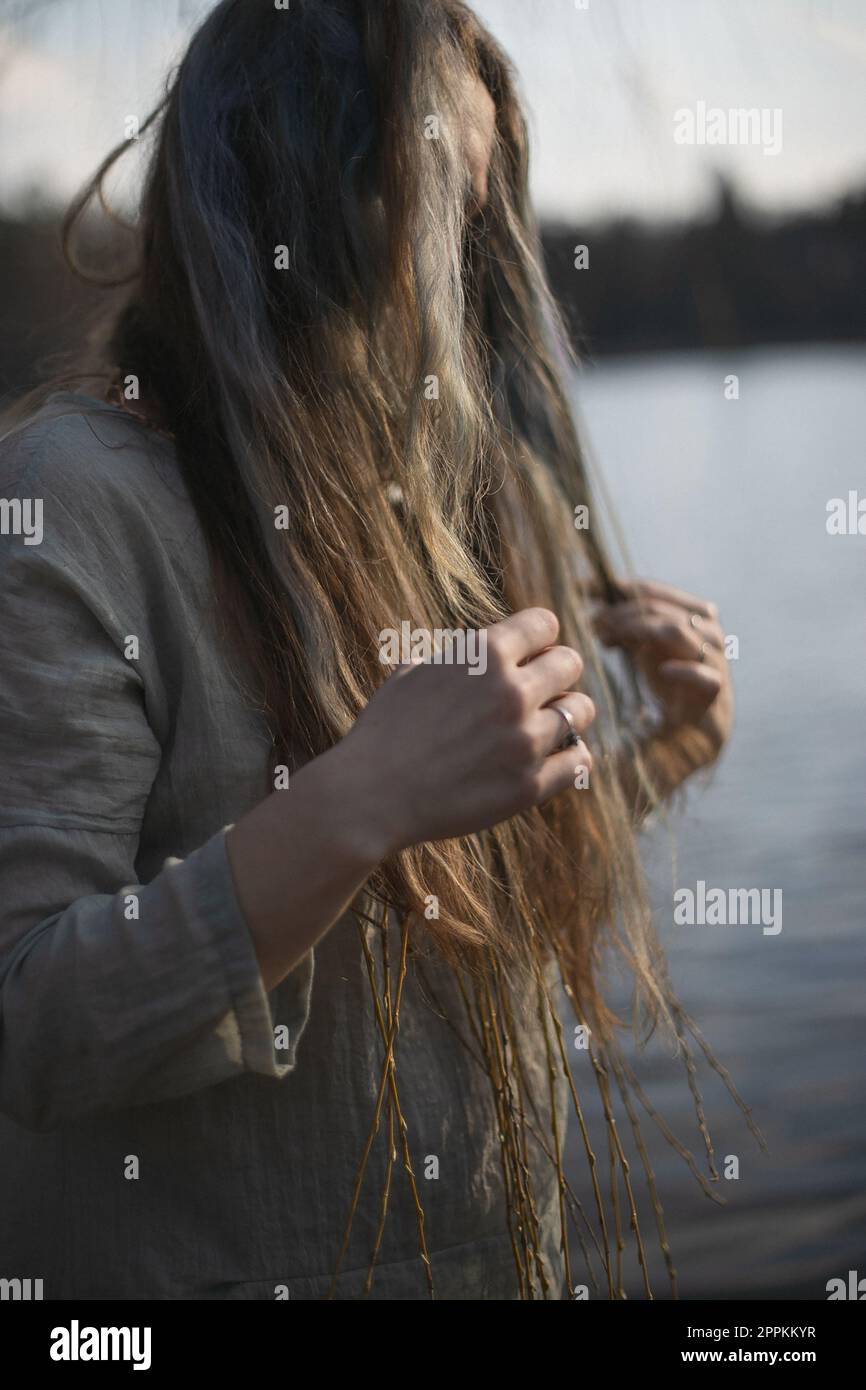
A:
x: 359, y: 818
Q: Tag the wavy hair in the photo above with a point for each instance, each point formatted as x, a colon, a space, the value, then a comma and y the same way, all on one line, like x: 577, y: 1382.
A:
x: 327, y: 323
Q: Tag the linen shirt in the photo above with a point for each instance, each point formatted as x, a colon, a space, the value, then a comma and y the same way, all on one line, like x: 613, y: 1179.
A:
x: 169, y: 1130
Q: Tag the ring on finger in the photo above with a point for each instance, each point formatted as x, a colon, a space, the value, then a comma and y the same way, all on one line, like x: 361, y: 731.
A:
x: 571, y: 737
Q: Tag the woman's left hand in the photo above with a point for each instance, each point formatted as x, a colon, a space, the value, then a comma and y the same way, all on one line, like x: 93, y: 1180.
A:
x: 679, y: 647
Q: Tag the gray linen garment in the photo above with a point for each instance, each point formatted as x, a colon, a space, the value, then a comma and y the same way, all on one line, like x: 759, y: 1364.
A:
x: 153, y: 1038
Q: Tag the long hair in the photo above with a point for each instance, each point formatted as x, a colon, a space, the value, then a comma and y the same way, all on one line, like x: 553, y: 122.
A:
x: 336, y: 335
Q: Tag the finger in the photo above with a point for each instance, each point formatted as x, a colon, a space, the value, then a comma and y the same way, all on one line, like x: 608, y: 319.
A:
x: 681, y: 598
x: 674, y: 638
x: 609, y: 620
x: 555, y: 670
x: 548, y: 729
x: 652, y: 588
x: 596, y: 587
x: 700, y: 677
x: 524, y: 634
x: 636, y: 589
x: 402, y: 669
x: 558, y: 772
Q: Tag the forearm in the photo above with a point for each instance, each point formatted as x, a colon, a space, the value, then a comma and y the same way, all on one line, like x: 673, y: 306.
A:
x: 435, y: 755
x: 300, y: 858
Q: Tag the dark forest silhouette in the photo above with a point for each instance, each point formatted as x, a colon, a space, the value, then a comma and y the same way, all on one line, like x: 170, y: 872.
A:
x: 731, y: 279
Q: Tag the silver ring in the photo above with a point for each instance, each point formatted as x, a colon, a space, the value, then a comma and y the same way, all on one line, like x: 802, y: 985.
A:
x: 703, y: 654
x: 572, y: 737
x: 695, y: 620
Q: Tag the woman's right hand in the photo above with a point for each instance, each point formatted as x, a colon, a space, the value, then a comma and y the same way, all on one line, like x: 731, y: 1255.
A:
x: 437, y: 753
x: 442, y: 752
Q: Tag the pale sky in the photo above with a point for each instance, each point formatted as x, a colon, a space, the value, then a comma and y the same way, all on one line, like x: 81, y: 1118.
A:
x: 602, y: 84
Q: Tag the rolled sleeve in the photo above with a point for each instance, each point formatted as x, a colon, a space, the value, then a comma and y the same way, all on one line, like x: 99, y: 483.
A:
x: 203, y: 888
x: 142, y: 995
x: 112, y: 992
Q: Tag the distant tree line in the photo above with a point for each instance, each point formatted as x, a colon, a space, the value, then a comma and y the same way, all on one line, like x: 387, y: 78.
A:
x: 727, y: 280
x: 732, y: 279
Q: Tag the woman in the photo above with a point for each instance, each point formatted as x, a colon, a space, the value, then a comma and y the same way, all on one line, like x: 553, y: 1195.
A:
x: 282, y: 938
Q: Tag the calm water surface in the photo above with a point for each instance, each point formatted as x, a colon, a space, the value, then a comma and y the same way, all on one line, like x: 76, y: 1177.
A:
x: 728, y: 498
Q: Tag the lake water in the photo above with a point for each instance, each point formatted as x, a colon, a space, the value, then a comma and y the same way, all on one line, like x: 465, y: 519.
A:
x: 728, y: 498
